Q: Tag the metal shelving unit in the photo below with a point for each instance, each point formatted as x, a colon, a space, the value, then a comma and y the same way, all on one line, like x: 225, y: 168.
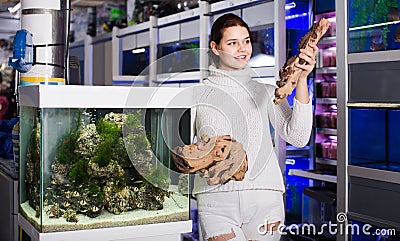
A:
x: 313, y: 175
x: 355, y: 181
x: 322, y: 100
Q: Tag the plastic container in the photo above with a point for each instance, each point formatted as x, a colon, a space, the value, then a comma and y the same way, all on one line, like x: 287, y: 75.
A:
x: 326, y: 149
x: 332, y: 89
x: 334, y: 120
x: 326, y: 58
x: 326, y: 90
x: 333, y: 152
x: 331, y: 30
x: 325, y: 120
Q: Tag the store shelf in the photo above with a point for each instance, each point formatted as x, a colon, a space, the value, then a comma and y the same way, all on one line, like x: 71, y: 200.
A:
x: 326, y: 70
x: 326, y: 101
x: 101, y: 38
x: 373, y: 57
x: 77, y: 44
x: 374, y: 174
x: 292, y: 151
x: 10, y: 167
x: 373, y: 105
x: 231, y: 4
x: 326, y: 131
x: 327, y: 40
x: 313, y: 175
x: 326, y: 161
x: 136, y: 28
x: 179, y: 17
x: 179, y: 77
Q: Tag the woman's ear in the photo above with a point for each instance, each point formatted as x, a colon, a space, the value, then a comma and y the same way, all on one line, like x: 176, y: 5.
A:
x: 213, y: 46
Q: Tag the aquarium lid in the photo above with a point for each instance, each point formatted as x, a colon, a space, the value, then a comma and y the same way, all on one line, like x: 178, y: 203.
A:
x: 69, y: 96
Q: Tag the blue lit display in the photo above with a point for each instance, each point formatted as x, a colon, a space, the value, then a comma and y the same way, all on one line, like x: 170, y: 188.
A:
x: 134, y: 62
x: 373, y: 138
x: 178, y: 56
x: 374, y: 25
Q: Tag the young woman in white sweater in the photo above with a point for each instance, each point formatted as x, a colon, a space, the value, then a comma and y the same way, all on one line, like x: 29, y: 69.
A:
x: 230, y: 102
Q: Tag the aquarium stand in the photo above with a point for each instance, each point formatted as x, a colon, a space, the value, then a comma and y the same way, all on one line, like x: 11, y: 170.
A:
x: 151, y: 232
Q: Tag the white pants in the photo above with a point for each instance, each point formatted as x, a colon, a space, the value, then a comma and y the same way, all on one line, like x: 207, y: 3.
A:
x: 240, y: 214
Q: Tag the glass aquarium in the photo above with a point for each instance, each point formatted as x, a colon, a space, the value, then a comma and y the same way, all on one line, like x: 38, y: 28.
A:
x: 374, y: 25
x: 135, y: 62
x: 100, y: 157
x: 373, y: 138
x: 263, y: 47
x: 178, y: 57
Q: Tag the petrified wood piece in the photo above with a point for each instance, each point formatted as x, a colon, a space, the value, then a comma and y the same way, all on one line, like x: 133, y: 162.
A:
x: 289, y: 74
x: 219, y: 159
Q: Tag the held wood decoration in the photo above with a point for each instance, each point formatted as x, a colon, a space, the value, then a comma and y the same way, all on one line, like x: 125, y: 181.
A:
x: 220, y: 159
x: 289, y: 74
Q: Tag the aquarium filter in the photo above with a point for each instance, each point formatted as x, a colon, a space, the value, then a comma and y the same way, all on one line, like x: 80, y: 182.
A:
x: 22, y: 59
x: 42, y: 56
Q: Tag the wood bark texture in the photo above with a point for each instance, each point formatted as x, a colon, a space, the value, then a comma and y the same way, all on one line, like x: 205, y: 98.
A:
x: 289, y: 74
x: 219, y: 158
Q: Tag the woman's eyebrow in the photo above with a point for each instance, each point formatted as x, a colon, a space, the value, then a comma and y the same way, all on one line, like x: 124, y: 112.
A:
x: 234, y: 39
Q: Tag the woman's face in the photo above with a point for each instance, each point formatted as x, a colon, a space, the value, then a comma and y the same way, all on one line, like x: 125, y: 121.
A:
x: 234, y: 50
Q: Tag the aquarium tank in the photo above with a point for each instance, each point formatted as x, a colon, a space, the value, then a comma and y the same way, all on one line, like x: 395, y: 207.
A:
x: 89, y: 168
x: 374, y: 25
x: 263, y: 47
x: 180, y: 56
x: 135, y: 61
x: 373, y: 138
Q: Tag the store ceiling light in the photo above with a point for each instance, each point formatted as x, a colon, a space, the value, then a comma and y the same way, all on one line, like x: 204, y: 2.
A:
x: 14, y: 10
x: 138, y: 51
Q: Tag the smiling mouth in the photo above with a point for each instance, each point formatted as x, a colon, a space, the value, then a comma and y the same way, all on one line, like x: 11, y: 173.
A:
x: 241, y: 57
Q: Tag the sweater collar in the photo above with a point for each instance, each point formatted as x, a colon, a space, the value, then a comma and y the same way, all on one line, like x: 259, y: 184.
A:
x: 231, y: 78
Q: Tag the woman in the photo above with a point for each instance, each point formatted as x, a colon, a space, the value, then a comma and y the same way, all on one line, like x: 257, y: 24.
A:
x: 230, y: 102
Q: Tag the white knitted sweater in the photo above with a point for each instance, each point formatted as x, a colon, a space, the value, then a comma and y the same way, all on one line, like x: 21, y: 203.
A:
x: 230, y: 102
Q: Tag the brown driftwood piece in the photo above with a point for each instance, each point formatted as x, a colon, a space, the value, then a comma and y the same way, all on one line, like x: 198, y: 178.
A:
x: 202, y: 154
x: 289, y: 74
x: 219, y: 159
x: 233, y: 168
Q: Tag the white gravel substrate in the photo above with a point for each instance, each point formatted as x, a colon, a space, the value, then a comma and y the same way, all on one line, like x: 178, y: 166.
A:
x: 170, y: 213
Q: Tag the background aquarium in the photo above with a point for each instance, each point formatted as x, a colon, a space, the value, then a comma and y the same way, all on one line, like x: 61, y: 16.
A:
x: 86, y: 168
x: 178, y: 57
x: 135, y: 61
x: 262, y: 40
x: 374, y: 25
x: 374, y: 137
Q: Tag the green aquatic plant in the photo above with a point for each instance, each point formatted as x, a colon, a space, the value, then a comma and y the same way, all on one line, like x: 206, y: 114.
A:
x: 32, y: 168
x: 109, y: 136
x: 158, y: 177
x: 121, y: 155
x: 95, y: 191
x: 68, y: 143
x: 65, y: 149
x: 381, y: 9
x: 79, y: 172
x: 133, y: 120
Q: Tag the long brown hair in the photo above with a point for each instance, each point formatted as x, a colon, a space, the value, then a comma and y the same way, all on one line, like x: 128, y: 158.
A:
x: 218, y: 27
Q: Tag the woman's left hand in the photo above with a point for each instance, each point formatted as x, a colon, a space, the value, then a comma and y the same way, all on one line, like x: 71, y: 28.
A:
x: 309, y: 57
